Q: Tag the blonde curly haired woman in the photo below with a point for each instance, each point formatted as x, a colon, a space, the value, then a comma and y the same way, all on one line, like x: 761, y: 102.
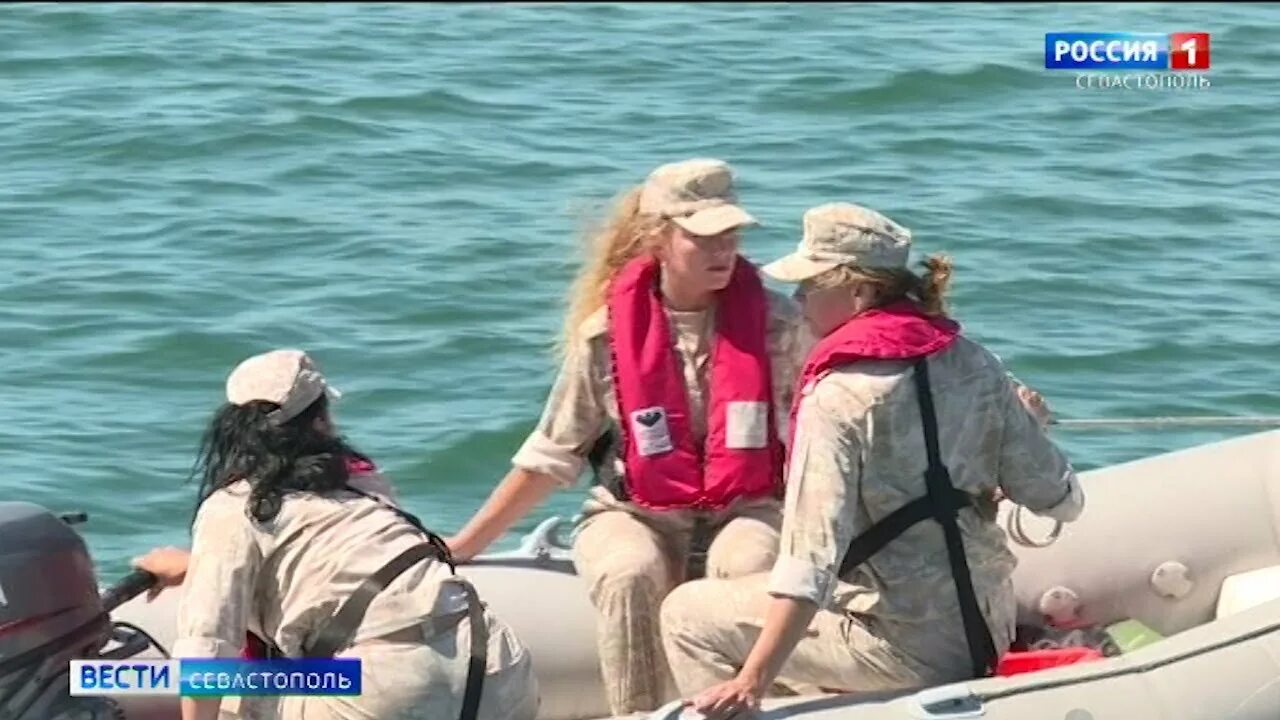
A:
x: 678, y: 368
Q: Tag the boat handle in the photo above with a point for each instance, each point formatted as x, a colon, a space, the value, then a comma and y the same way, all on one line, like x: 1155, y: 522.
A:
x: 948, y: 702
x: 545, y: 537
x: 673, y: 710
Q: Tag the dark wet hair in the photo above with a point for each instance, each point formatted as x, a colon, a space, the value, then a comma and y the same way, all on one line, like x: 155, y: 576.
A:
x: 241, y: 443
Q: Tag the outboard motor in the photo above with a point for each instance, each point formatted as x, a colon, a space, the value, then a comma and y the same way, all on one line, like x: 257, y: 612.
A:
x: 51, y: 613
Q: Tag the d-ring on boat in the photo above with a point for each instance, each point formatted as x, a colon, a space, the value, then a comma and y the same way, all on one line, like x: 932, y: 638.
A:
x: 1186, y: 543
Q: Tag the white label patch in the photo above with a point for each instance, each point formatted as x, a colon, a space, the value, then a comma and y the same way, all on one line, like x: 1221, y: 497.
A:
x: 650, y: 428
x: 3, y: 600
x: 746, y: 425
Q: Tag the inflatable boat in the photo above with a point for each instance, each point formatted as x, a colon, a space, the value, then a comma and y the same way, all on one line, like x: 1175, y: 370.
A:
x: 1185, y: 546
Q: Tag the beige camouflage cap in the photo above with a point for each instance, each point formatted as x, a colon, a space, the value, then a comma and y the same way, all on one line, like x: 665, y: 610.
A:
x: 288, y: 378
x: 698, y: 195
x: 838, y: 234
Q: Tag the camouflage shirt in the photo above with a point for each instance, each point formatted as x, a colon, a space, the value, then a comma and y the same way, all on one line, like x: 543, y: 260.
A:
x: 284, y: 578
x: 859, y: 455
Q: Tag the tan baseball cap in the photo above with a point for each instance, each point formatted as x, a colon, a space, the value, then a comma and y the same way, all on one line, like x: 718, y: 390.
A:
x: 698, y: 195
x: 288, y: 378
x: 838, y: 234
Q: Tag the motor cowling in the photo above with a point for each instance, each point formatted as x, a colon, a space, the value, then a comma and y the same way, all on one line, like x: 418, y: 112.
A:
x: 50, y: 609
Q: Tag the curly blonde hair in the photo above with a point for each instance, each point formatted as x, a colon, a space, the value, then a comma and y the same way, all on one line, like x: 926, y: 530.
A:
x: 625, y: 234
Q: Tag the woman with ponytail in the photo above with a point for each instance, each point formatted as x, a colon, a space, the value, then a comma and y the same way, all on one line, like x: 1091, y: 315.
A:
x: 676, y: 373
x: 892, y: 572
x: 290, y: 521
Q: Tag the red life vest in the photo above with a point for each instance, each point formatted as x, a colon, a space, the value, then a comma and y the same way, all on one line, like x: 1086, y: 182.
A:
x: 899, y: 331
x: 741, y: 455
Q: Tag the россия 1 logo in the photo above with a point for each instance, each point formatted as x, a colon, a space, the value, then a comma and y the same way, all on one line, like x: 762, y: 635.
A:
x: 1126, y: 51
x: 1152, y: 52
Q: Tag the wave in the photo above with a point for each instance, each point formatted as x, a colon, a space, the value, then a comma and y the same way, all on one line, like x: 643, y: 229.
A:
x: 826, y: 93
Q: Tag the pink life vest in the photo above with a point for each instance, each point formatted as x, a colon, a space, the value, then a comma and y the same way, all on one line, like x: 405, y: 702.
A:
x: 357, y: 466
x: 665, y: 467
x: 899, y: 331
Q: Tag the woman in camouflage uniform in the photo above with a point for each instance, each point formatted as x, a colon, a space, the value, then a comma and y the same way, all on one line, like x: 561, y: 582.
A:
x: 290, y: 521
x: 891, y: 619
x: 682, y: 226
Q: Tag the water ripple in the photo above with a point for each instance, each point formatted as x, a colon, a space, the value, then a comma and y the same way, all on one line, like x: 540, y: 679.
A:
x: 402, y: 189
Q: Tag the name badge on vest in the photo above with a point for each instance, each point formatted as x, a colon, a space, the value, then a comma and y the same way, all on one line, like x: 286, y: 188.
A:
x: 747, y: 425
x: 653, y: 436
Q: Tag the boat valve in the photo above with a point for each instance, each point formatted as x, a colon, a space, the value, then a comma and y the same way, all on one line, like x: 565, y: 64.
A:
x: 1171, y: 580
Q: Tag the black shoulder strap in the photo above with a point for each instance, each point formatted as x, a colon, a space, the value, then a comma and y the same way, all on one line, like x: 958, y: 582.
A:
x: 982, y: 650
x: 941, y: 503
x: 479, y: 656
x: 597, y: 455
x: 599, y: 450
x: 342, y: 625
x: 894, y: 524
x: 338, y: 630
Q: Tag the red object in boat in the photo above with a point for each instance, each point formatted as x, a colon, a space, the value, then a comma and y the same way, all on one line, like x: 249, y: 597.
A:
x: 1016, y: 663
x: 254, y: 648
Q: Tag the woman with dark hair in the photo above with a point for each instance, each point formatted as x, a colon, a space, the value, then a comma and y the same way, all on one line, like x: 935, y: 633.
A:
x: 290, y: 522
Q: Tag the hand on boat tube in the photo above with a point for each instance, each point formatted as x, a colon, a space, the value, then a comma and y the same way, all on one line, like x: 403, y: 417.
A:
x: 785, y: 622
x: 737, y: 698
x: 168, y: 564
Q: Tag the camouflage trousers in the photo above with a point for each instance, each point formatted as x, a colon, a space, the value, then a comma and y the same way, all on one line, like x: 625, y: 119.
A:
x: 632, y: 558
x: 710, y: 626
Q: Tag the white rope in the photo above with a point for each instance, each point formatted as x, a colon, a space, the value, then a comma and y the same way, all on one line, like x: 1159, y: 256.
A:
x: 1205, y: 420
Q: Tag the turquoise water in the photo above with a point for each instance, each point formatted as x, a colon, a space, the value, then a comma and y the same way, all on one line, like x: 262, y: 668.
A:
x: 400, y: 190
